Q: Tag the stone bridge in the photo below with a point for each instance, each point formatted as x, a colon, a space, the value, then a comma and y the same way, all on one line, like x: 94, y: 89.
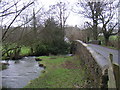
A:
x: 99, y: 68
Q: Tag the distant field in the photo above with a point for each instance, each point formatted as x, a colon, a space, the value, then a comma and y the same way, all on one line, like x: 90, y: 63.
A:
x: 113, y: 41
x: 111, y: 38
x: 25, y: 51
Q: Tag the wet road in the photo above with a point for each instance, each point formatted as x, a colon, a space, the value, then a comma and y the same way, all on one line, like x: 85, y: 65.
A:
x: 106, y: 51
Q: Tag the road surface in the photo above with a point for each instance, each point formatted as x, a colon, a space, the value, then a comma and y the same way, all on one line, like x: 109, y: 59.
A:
x: 106, y: 51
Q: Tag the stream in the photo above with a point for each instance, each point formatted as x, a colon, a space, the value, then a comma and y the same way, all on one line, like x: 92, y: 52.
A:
x: 20, y: 72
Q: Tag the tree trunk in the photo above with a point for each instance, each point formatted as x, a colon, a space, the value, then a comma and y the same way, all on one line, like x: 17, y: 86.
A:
x: 106, y: 40
x: 95, y: 32
x: 31, y: 50
x: 17, y: 53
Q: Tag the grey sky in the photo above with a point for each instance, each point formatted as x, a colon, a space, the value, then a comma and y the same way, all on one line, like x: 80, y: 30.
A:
x: 73, y: 19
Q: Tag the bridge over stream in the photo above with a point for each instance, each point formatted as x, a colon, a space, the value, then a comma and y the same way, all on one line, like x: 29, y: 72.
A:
x: 97, y: 60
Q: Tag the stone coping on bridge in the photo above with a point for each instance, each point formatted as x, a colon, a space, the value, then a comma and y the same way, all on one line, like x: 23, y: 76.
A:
x: 102, y: 61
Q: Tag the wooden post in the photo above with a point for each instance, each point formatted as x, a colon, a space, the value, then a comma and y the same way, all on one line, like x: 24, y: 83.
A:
x: 111, y: 58
x: 112, y: 81
x: 116, y: 71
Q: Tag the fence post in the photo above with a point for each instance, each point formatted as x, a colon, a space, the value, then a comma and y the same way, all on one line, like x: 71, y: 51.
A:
x: 116, y: 72
x: 111, y: 82
x: 111, y: 58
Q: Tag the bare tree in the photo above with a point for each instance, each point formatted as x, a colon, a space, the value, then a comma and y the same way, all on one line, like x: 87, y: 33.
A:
x: 61, y: 13
x: 108, y: 20
x: 13, y: 12
x: 100, y: 13
x: 91, y: 10
x: 9, y: 11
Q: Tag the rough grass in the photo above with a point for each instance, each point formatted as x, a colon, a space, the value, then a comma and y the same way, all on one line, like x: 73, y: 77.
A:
x: 58, y: 73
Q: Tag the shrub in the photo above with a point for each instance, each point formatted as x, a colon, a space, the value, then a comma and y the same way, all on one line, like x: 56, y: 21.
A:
x: 52, y: 39
x: 41, y: 49
x: 46, y: 49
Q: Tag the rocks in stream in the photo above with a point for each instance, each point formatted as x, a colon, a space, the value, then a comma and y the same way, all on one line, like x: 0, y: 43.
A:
x: 5, y: 64
x: 38, y: 59
x: 41, y: 65
x: 43, y: 71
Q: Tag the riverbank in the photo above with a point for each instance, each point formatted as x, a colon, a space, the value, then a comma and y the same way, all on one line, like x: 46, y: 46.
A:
x: 3, y: 66
x: 60, y: 72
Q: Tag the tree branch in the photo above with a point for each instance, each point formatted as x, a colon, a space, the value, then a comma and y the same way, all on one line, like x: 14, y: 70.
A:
x: 15, y: 19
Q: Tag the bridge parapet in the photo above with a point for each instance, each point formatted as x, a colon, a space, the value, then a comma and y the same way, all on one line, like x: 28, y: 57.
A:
x: 97, y: 66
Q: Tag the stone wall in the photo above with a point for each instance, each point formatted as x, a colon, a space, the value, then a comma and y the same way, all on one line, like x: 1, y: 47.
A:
x: 116, y: 69
x: 94, y: 69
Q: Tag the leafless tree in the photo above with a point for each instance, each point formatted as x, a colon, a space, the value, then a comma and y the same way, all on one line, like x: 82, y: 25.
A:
x: 108, y: 20
x: 14, y: 10
x: 90, y: 10
x: 61, y: 13
x: 100, y: 13
x: 10, y: 12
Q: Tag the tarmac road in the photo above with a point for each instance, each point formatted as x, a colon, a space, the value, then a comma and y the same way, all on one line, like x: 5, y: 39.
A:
x: 104, y: 51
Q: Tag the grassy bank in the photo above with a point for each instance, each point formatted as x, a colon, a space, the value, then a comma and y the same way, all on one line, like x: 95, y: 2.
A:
x: 60, y: 72
x: 2, y: 66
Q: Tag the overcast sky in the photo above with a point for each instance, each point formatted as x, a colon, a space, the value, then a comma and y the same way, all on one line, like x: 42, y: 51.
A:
x: 73, y: 19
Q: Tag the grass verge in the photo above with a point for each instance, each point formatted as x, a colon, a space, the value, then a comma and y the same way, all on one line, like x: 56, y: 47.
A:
x: 110, y: 47
x: 60, y: 72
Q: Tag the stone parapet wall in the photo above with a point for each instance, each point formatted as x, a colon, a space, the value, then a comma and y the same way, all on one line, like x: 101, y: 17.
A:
x: 91, y: 60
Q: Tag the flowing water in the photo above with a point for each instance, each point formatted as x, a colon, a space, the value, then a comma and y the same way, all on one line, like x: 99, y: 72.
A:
x: 20, y: 72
